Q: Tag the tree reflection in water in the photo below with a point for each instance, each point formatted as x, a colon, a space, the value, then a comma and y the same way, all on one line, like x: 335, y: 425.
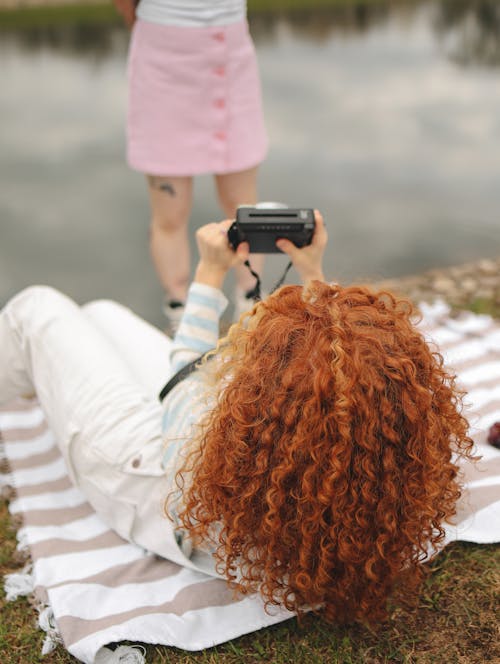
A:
x: 468, y: 29
x: 86, y: 39
x: 472, y: 26
x: 477, y: 29
x: 405, y: 145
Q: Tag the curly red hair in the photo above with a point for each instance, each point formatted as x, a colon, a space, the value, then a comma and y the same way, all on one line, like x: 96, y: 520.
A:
x: 328, y: 464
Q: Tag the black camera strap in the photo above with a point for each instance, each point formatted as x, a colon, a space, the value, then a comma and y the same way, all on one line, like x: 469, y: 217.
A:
x: 255, y: 293
x: 188, y: 369
x: 282, y: 278
x: 180, y: 375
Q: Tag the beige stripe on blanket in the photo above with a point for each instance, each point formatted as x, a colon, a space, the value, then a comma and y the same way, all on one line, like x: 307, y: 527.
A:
x: 101, y: 589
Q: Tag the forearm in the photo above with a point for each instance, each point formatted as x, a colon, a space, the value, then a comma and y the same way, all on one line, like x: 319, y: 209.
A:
x: 308, y: 260
x: 127, y: 10
x: 312, y: 275
x: 199, y: 327
x: 209, y: 275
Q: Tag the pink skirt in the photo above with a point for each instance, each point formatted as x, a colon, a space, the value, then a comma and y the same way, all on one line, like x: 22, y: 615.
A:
x: 194, y: 100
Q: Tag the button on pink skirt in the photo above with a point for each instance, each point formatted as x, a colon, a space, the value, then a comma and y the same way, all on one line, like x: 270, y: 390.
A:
x: 194, y: 100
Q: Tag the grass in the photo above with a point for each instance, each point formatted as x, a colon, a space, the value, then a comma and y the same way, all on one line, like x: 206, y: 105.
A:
x: 103, y: 12
x: 455, y: 621
x: 456, y: 618
x: 40, y: 17
x: 481, y: 305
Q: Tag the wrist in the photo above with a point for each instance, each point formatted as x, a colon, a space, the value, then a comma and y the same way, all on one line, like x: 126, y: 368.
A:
x: 209, y: 274
x: 314, y: 275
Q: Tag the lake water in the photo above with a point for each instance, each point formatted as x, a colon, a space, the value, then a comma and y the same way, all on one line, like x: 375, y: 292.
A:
x: 386, y: 119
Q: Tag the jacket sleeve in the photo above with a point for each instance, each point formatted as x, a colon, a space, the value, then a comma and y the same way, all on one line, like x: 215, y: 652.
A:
x: 198, y: 331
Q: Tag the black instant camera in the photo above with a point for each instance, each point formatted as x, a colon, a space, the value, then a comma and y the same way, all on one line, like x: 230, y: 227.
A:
x: 261, y: 227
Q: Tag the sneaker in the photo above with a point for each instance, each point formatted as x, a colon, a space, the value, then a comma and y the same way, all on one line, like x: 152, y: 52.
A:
x: 173, y: 310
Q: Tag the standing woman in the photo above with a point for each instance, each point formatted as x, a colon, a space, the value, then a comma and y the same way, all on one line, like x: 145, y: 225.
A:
x: 194, y: 107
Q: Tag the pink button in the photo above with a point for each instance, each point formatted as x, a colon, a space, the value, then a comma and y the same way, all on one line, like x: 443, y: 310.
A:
x: 220, y: 135
x: 220, y: 103
x: 219, y: 71
x: 218, y: 36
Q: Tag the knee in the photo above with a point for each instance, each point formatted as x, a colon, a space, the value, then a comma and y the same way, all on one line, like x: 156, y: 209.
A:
x: 103, y: 309
x: 229, y: 203
x: 99, y: 305
x: 170, y: 220
x: 37, y: 304
x: 231, y: 195
x: 39, y: 294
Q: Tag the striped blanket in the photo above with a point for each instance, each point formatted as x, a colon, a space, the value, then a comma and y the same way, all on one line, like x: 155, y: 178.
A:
x: 94, y: 588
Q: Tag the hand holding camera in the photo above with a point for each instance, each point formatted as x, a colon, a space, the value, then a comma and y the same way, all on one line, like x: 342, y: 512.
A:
x: 308, y: 260
x: 262, y: 227
x: 299, y: 233
x: 216, y: 254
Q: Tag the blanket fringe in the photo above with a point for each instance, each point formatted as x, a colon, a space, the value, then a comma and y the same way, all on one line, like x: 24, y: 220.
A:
x: 46, y: 621
x: 121, y: 655
x: 3, y: 457
x: 22, y: 541
x: 7, y: 490
x: 19, y: 584
x: 22, y: 583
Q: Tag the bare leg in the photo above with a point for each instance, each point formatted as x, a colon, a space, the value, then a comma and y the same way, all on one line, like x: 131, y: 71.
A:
x: 170, y: 199
x: 240, y: 189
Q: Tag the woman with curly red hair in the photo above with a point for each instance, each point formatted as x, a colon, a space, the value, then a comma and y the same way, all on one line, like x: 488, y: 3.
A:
x: 312, y: 458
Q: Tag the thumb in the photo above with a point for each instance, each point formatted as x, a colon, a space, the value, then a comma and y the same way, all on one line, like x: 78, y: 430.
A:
x: 287, y: 247
x: 243, y: 251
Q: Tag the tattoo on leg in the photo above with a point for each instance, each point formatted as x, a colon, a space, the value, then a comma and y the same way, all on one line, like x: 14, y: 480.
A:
x: 162, y: 185
x: 167, y: 187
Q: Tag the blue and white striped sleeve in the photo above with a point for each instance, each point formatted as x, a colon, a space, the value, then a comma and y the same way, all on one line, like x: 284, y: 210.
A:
x: 199, y: 327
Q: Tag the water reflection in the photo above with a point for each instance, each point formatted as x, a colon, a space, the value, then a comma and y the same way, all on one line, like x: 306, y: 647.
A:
x: 470, y: 29
x: 320, y: 24
x: 476, y: 29
x: 373, y: 116
x: 88, y: 40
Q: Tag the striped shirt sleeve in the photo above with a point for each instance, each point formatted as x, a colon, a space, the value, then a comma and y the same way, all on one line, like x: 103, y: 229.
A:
x: 199, y: 327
